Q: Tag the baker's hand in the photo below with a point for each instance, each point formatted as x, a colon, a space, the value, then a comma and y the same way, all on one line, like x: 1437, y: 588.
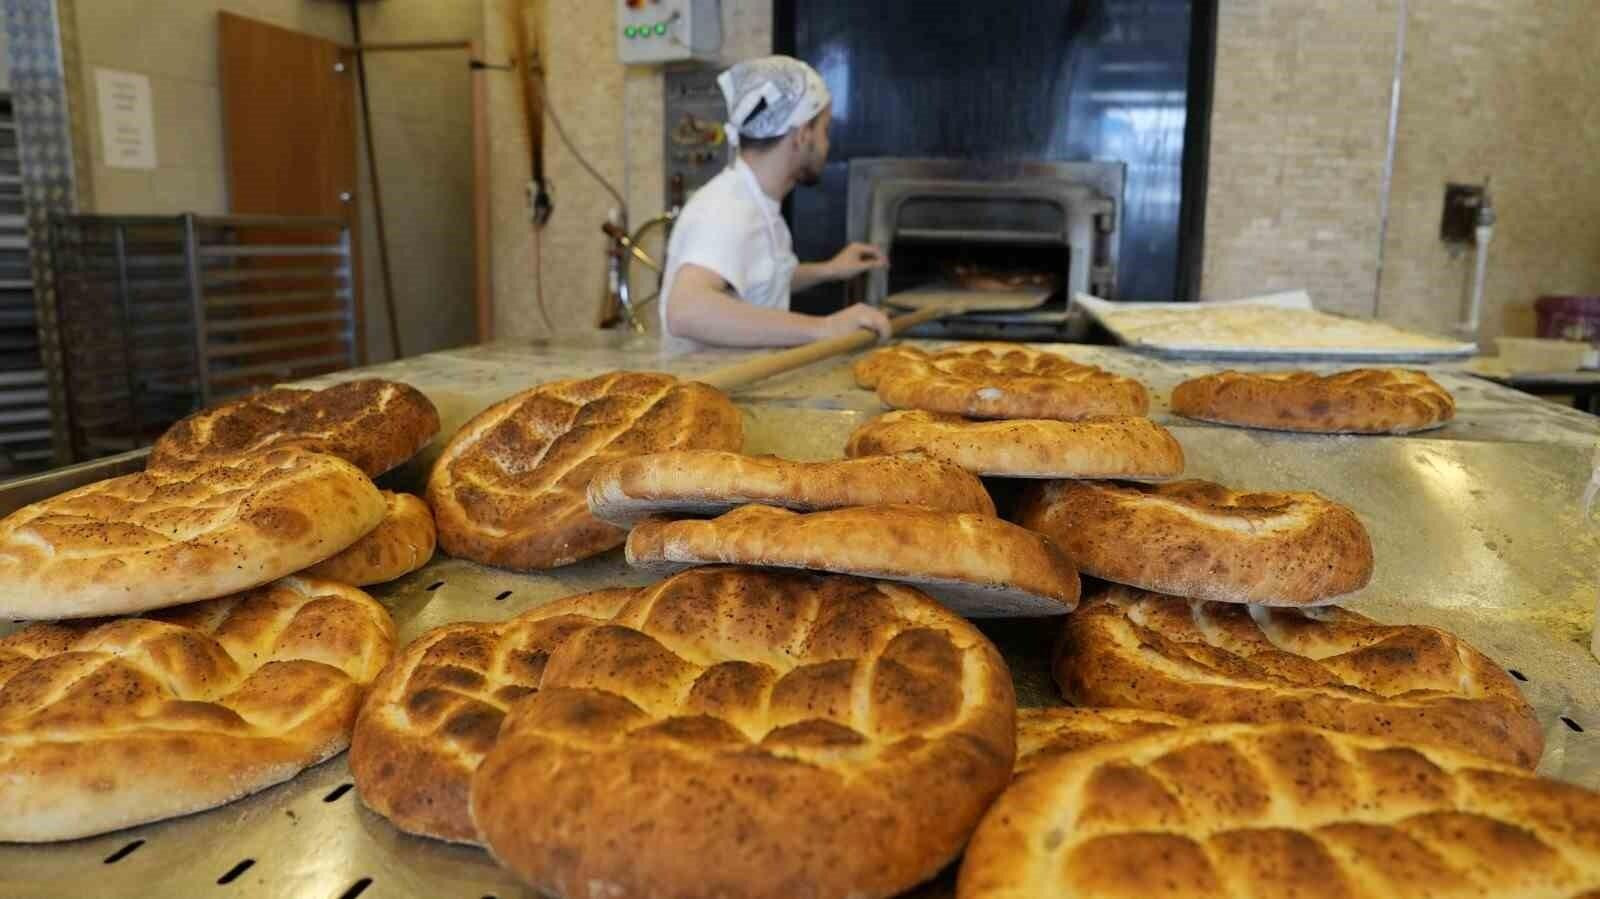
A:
x: 855, y: 259
x: 855, y: 318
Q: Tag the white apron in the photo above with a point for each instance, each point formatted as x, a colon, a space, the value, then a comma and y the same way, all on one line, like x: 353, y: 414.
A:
x: 771, y: 291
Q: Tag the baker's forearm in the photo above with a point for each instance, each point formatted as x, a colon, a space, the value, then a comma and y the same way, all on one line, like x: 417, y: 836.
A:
x: 810, y: 274
x: 713, y: 317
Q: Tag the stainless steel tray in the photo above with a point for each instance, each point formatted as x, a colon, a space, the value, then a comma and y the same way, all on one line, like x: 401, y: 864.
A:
x: 1482, y: 538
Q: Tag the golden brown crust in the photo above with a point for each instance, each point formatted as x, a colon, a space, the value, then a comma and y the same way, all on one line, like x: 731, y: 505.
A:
x: 1282, y: 810
x: 869, y: 369
x: 437, y: 708
x: 711, y: 482
x: 401, y: 543
x: 374, y: 424
x: 1045, y: 733
x: 105, y: 725
x: 976, y: 564
x: 165, y: 537
x: 1196, y: 538
x: 1125, y: 447
x: 1363, y: 401
x: 999, y: 380
x: 1325, y: 667
x: 738, y: 733
x: 510, y: 489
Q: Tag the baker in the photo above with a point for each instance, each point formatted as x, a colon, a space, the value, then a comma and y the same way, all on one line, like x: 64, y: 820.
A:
x: 730, y: 263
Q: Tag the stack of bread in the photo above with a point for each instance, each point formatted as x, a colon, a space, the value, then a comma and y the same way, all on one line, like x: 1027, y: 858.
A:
x: 728, y: 731
x: 245, y: 649
x: 1237, y: 734
x: 800, y: 707
x: 801, y: 698
x: 1008, y: 411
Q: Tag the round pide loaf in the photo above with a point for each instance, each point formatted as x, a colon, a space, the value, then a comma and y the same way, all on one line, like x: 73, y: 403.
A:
x: 1363, y: 401
x: 374, y: 424
x: 999, y: 380
x: 729, y: 732
x: 1127, y: 447
x: 511, y: 487
x: 1323, y: 666
x: 976, y: 564
x: 170, y: 536
x: 1281, y: 810
x: 1199, y: 539
x: 105, y: 725
x: 401, y: 543
x: 711, y: 482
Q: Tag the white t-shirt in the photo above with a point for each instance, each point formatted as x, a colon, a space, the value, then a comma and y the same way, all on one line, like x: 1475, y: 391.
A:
x: 733, y: 228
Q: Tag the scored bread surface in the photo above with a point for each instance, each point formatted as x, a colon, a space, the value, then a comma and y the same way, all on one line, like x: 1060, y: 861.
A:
x: 374, y: 424
x: 729, y: 732
x: 1249, y: 810
x: 1363, y: 401
x: 436, y: 710
x: 977, y: 564
x: 869, y: 369
x: 165, y: 537
x: 710, y: 482
x: 105, y: 725
x: 1128, y: 447
x: 510, y: 489
x: 1323, y: 666
x: 1000, y: 380
x: 1051, y: 731
x: 401, y: 543
x: 1199, y: 539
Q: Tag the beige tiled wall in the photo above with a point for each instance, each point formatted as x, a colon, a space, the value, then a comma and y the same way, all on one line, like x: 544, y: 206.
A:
x: 421, y: 119
x: 1502, y: 88
x: 594, y: 95
x: 1507, y: 89
x: 1297, y: 145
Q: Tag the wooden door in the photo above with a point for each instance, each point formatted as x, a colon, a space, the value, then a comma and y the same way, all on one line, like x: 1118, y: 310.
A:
x: 289, y: 119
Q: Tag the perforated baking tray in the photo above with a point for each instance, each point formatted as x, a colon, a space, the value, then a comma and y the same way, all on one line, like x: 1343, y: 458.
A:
x: 1484, y: 539
x: 1427, y: 348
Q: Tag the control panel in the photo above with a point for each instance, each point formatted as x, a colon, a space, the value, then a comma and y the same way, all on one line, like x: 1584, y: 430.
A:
x: 657, y: 31
x: 695, y: 148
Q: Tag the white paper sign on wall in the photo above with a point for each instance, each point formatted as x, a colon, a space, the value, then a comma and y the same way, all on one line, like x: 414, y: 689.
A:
x: 127, y: 128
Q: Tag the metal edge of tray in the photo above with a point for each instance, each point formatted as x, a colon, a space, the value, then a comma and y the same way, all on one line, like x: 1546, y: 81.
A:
x: 312, y: 837
x: 19, y: 492
x: 1461, y: 349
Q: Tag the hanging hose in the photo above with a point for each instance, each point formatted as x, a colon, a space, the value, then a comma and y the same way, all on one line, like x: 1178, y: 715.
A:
x: 377, y: 194
x: 1483, y: 234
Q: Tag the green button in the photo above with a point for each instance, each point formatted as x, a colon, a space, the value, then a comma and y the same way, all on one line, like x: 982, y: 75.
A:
x: 662, y: 28
x: 630, y: 31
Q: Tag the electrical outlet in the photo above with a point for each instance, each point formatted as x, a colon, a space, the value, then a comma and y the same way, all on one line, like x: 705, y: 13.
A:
x: 1461, y: 202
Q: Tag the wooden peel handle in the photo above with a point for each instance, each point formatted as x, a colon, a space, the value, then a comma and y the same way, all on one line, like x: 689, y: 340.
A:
x: 732, y: 377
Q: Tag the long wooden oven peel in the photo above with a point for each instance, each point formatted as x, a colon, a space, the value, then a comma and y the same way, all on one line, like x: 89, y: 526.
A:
x: 932, y: 306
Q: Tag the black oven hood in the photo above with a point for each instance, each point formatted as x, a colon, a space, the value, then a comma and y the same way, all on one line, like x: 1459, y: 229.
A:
x: 1006, y: 81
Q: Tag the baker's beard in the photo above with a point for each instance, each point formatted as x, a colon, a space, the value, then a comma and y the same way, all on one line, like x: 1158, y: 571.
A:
x: 810, y: 174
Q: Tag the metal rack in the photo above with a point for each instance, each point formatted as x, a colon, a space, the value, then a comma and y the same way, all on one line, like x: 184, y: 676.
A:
x: 160, y: 316
x: 24, y: 384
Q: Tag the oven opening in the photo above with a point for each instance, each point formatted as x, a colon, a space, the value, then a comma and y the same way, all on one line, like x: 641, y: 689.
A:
x: 918, y: 261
